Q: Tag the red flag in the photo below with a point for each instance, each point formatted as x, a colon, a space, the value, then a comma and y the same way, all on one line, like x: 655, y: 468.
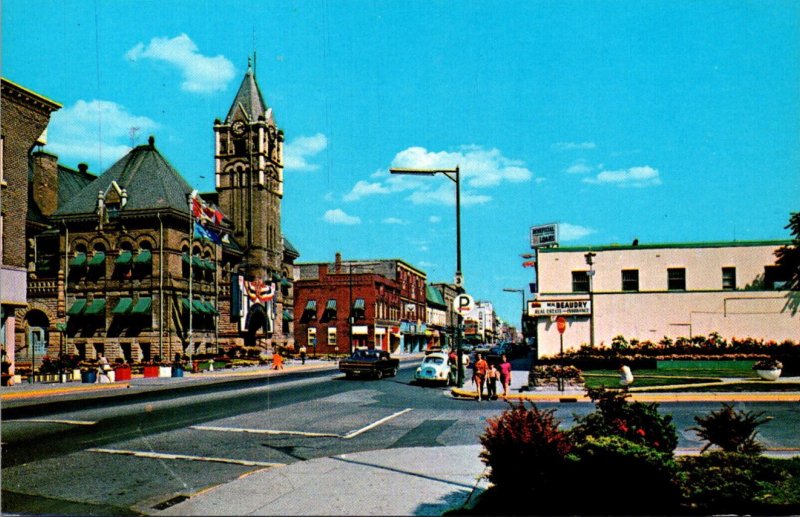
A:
x: 529, y: 263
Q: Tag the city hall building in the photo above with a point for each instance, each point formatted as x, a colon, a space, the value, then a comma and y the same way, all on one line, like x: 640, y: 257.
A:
x: 649, y: 291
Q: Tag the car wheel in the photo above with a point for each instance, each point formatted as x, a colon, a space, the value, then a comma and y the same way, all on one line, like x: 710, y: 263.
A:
x: 393, y: 373
x: 379, y: 374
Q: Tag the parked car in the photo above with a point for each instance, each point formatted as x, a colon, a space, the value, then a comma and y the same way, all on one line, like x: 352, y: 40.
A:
x: 434, y: 368
x: 371, y: 363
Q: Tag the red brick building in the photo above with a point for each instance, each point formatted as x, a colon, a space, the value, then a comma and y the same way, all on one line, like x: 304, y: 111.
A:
x: 362, y: 303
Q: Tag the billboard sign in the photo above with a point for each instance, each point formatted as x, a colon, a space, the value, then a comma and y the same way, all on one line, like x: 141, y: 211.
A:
x: 575, y: 307
x: 544, y: 235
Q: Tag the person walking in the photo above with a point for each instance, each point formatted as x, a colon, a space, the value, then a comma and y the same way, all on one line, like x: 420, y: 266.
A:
x: 277, y: 360
x: 505, y: 374
x: 479, y: 374
x: 103, y: 368
x: 303, y: 354
x: 492, y: 374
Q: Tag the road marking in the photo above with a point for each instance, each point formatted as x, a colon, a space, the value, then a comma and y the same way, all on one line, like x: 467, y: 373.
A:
x: 52, y: 421
x: 165, y: 456
x: 353, y: 434
x: 263, y: 431
x: 348, y: 436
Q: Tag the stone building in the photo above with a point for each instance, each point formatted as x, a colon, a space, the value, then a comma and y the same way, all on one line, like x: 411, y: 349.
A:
x: 116, y: 263
x: 361, y: 303
x: 25, y: 116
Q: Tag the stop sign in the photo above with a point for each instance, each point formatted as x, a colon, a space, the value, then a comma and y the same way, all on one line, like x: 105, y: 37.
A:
x: 561, y: 324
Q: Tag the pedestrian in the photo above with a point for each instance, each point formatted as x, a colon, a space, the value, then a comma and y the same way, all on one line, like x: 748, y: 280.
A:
x: 479, y: 374
x: 103, y: 368
x: 625, y: 376
x: 505, y: 374
x: 303, y: 354
x: 277, y: 360
x: 492, y: 374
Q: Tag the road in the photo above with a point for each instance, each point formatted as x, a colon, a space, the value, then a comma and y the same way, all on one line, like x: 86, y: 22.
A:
x: 135, y: 458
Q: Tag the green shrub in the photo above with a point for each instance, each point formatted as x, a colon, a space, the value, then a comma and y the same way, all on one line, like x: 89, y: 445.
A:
x: 731, y: 430
x: 524, y: 448
x: 729, y: 482
x: 619, y: 476
x: 635, y: 421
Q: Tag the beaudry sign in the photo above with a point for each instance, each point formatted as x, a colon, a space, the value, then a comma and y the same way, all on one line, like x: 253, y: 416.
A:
x: 544, y: 235
x: 559, y: 307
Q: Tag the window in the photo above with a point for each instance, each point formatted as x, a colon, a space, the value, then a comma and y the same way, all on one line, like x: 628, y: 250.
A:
x: 777, y: 277
x: 312, y: 337
x: 630, y: 279
x: 676, y: 279
x: 729, y: 278
x: 332, y: 336
x: 580, y: 281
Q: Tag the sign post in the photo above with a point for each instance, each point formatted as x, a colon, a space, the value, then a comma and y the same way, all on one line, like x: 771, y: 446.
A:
x: 561, y: 325
x: 462, y: 304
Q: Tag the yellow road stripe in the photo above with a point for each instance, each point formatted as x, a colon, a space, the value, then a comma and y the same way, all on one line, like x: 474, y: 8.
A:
x: 52, y: 421
x: 60, y: 391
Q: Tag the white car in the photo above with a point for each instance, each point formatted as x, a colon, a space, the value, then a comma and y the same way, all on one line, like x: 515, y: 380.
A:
x: 434, y: 368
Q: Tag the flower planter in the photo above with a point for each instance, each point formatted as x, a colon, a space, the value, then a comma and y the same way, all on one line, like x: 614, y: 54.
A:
x: 89, y: 377
x: 769, y: 375
x: 165, y: 371
x: 76, y: 374
x: 177, y: 371
x: 150, y: 371
x: 122, y: 373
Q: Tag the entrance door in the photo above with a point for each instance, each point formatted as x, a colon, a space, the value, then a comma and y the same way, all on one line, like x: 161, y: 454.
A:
x: 36, y: 338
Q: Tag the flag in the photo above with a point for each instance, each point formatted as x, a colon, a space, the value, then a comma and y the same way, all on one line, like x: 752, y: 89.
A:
x: 204, y: 211
x: 204, y: 232
x: 529, y: 263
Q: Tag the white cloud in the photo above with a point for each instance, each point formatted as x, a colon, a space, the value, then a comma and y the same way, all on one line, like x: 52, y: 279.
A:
x: 338, y: 216
x: 579, y: 167
x: 365, y: 188
x: 96, y: 131
x: 573, y: 146
x: 297, y: 152
x: 394, y: 220
x: 434, y: 219
x: 444, y: 196
x: 572, y: 232
x: 645, y: 176
x: 201, y: 74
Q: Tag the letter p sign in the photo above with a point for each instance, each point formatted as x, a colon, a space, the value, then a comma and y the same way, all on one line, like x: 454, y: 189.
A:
x: 463, y: 303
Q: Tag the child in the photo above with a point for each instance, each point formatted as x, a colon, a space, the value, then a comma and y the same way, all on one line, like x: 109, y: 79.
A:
x: 492, y: 374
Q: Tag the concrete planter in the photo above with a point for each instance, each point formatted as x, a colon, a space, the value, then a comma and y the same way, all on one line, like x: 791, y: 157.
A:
x: 150, y: 371
x: 76, y: 374
x: 769, y: 375
x: 165, y: 371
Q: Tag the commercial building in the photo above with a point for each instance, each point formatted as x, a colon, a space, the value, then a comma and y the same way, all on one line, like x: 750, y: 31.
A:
x: 648, y: 291
x: 342, y: 305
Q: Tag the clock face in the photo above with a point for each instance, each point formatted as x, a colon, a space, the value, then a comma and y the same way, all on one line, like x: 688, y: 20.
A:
x: 238, y: 127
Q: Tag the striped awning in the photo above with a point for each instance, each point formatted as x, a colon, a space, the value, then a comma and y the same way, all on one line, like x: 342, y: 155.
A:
x: 359, y: 304
x: 287, y: 316
x: 143, y: 257
x: 125, y: 257
x: 77, y: 307
x: 97, y: 259
x: 331, y: 305
x: 78, y: 260
x: 311, y: 305
x: 210, y: 308
x: 97, y: 307
x: 143, y: 305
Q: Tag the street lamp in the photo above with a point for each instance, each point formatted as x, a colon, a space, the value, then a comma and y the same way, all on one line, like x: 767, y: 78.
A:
x: 522, y: 317
x: 454, y: 176
x: 590, y: 261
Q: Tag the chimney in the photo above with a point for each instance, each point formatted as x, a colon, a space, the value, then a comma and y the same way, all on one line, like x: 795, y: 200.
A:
x: 338, y: 265
x: 83, y: 168
x: 44, y: 184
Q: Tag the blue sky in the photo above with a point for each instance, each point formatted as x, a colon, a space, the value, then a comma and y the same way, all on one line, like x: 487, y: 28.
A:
x: 666, y: 121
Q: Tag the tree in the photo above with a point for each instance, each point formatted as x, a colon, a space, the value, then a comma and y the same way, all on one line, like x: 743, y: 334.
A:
x: 789, y: 261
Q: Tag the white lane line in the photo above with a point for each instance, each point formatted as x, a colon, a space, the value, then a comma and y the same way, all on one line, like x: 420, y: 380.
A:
x: 263, y: 431
x: 52, y: 421
x: 163, y: 456
x: 353, y: 434
x: 348, y: 436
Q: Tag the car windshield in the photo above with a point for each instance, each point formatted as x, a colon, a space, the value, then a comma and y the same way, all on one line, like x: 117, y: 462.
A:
x: 433, y: 360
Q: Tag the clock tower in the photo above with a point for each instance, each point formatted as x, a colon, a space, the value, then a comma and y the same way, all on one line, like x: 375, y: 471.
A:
x: 249, y: 177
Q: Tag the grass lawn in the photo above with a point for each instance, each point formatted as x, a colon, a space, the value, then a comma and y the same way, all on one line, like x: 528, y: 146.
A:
x: 610, y: 379
x: 678, y: 372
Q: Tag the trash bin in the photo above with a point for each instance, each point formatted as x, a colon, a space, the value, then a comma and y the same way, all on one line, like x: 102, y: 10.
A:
x: 123, y: 373
x: 89, y: 377
x: 177, y: 371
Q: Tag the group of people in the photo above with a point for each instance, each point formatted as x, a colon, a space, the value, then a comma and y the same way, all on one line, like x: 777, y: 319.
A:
x: 486, y: 373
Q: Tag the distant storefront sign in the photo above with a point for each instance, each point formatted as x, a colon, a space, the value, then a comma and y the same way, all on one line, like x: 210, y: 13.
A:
x: 574, y: 307
x: 544, y: 235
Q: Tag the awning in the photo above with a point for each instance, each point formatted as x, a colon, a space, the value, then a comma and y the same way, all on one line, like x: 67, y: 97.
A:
x: 276, y: 277
x: 359, y: 304
x: 123, y: 306
x: 285, y: 282
x: 287, y: 316
x: 97, y: 307
x: 97, y: 259
x: 331, y: 305
x: 143, y: 305
x: 311, y: 305
x: 200, y: 306
x: 125, y: 257
x: 78, y: 260
x: 209, y: 264
x: 197, y: 306
x: 210, y: 308
x: 77, y: 307
x: 143, y: 257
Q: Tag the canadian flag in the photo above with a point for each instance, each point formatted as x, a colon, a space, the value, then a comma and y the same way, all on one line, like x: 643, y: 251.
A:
x: 205, y: 212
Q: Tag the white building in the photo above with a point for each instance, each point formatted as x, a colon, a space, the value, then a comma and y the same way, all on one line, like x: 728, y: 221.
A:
x: 647, y: 292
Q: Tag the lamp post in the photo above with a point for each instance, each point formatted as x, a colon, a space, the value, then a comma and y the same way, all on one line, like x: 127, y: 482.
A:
x: 590, y: 261
x: 454, y: 176
x: 522, y: 315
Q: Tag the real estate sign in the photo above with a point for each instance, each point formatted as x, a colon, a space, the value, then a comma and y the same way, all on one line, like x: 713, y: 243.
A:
x: 574, y: 307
